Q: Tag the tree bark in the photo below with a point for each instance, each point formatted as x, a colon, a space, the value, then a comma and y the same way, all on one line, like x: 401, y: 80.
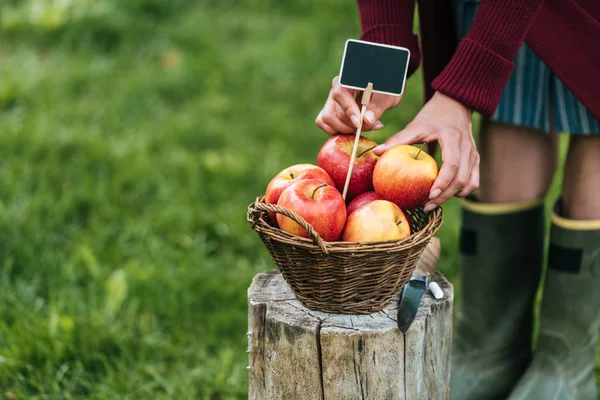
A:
x: 296, y: 353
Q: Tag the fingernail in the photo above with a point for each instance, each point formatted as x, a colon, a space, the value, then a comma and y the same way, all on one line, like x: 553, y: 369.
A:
x: 379, y: 149
x: 370, y: 116
x: 378, y: 125
x: 435, y: 193
x: 429, y: 207
x: 354, y: 120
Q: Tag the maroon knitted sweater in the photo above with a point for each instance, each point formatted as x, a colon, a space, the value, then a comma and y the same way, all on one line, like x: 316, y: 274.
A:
x: 565, y: 34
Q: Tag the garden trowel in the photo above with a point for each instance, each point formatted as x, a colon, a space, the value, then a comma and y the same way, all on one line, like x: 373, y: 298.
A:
x: 416, y: 286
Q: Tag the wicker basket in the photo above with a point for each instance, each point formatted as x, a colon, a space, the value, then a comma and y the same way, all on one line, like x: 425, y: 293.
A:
x: 343, y: 277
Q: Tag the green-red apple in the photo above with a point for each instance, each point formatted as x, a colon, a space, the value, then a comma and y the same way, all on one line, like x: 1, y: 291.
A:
x: 404, y: 175
x: 334, y: 158
x: 376, y: 221
x: 368, y: 197
x: 320, y: 204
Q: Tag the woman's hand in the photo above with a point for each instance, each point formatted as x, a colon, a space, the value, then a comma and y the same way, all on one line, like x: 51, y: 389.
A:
x: 448, y: 122
x: 341, y: 112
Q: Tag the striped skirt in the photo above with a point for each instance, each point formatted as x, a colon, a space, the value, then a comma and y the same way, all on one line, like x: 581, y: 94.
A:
x: 534, y: 97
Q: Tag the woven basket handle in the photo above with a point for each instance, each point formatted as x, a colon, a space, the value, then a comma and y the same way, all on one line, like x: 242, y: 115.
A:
x: 296, y: 218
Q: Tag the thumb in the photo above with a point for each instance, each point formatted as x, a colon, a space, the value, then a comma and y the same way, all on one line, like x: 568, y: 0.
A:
x: 377, y: 106
x: 405, y: 136
x: 373, y: 113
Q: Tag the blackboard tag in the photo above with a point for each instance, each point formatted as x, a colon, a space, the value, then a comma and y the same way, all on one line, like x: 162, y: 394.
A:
x: 383, y: 65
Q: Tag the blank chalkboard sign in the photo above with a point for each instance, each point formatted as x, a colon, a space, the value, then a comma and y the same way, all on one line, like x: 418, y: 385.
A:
x: 383, y: 65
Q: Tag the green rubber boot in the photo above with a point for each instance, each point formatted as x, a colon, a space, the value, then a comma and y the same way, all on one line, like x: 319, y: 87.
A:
x: 502, y: 247
x: 565, y: 354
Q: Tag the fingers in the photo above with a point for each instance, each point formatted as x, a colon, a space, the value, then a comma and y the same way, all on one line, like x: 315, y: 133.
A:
x: 458, y: 182
x: 448, y: 122
x: 451, y: 162
x: 377, y: 106
x: 330, y: 117
x: 459, y: 174
x: 323, y: 125
x: 342, y: 116
x: 373, y: 113
x: 337, y: 121
x: 341, y: 113
x: 406, y: 136
x: 473, y: 180
x: 347, y: 102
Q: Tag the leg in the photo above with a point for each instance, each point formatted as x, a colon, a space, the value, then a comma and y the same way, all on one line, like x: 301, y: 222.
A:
x: 581, y: 186
x: 502, y: 237
x: 565, y: 356
x: 517, y: 163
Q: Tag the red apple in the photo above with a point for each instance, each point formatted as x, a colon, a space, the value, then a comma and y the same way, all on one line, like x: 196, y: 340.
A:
x: 376, y: 221
x: 320, y: 204
x: 290, y: 175
x: 334, y: 158
x: 404, y: 175
x: 360, y: 200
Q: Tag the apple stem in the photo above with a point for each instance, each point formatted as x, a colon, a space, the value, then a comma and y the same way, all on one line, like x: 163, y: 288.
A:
x: 420, y: 150
x: 317, y: 188
x: 399, y: 222
x: 366, y: 151
x: 291, y: 175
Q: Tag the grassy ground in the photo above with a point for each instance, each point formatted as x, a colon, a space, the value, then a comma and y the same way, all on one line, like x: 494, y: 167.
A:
x: 133, y: 136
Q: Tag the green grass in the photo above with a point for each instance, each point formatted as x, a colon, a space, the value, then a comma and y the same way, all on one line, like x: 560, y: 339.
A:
x: 133, y: 136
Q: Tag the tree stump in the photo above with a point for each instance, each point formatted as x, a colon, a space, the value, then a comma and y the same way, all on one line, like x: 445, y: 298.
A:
x: 296, y: 353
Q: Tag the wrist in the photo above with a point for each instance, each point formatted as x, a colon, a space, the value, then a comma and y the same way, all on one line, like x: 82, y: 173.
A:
x: 452, y: 103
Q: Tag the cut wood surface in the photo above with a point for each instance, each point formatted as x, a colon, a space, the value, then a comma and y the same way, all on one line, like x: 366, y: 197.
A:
x: 296, y: 353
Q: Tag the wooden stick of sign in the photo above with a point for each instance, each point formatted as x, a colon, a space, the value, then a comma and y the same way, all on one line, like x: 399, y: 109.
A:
x: 366, y: 98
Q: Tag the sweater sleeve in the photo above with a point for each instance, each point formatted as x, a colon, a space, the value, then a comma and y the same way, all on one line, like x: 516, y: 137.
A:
x: 483, y: 61
x: 390, y: 22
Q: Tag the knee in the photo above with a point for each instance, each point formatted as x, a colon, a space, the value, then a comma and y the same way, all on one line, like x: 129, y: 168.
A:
x: 517, y: 163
